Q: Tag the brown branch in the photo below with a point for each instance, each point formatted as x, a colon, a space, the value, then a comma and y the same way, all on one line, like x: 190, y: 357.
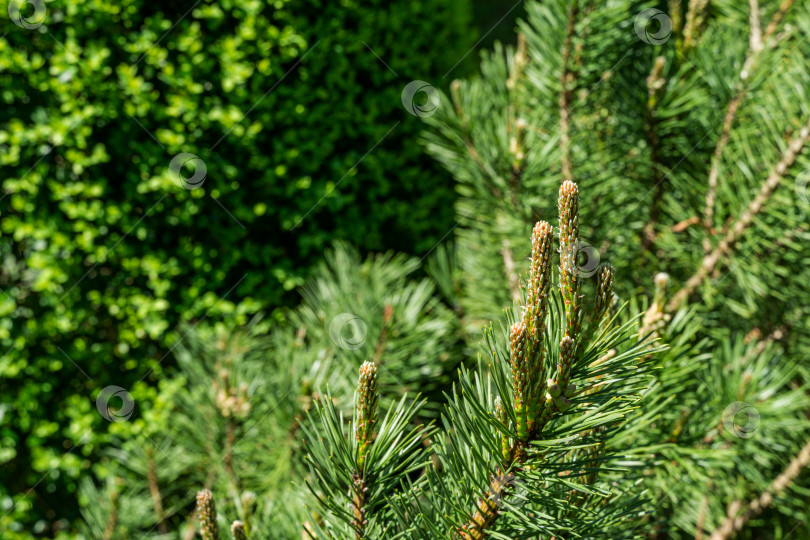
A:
x: 566, y: 95
x: 694, y: 18
x: 733, y: 525
x: 509, y: 264
x: 191, y: 526
x: 755, y: 47
x: 777, y: 18
x: 655, y: 82
x: 487, y: 510
x: 714, y: 172
x: 755, y: 39
x: 154, y: 491
x: 359, y: 506
x: 230, y: 439
x: 711, y: 259
x: 379, y: 349
x: 112, y: 522
x: 685, y: 224
x: 516, y: 129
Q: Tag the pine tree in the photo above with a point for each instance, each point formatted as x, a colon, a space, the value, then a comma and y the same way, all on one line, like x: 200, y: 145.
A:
x: 686, y: 128
x: 687, y: 125
x: 232, y: 421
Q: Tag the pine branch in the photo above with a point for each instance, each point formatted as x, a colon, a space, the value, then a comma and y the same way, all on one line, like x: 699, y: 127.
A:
x: 366, y: 411
x: 694, y: 18
x: 509, y: 266
x: 756, y: 45
x: 536, y: 399
x: 655, y: 83
x: 732, y: 525
x: 567, y: 78
x: 112, y: 522
x: 154, y: 491
x: 770, y: 184
x: 353, y: 477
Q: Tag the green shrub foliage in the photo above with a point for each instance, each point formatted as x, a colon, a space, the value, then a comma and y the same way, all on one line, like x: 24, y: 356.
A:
x: 304, y: 138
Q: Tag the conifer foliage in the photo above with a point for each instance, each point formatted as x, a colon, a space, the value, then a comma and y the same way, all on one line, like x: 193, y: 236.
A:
x: 525, y: 443
x: 686, y: 122
x: 680, y: 411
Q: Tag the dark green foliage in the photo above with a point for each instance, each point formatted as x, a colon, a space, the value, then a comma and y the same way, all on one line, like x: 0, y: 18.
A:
x: 305, y: 141
x: 692, y: 148
x: 233, y: 418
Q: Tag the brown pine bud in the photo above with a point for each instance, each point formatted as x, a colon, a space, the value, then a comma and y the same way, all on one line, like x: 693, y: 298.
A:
x: 520, y: 376
x: 562, y: 403
x: 604, y: 292
x: 567, y: 359
x: 570, y: 390
x: 207, y: 514
x: 238, y: 531
x: 568, y: 208
x: 539, y: 278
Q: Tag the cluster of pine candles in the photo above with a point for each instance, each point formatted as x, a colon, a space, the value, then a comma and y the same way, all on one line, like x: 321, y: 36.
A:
x: 538, y: 388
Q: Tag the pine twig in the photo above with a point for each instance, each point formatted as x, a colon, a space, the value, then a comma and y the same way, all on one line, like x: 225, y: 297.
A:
x: 366, y: 411
x: 694, y: 18
x: 655, y: 82
x: 526, y: 359
x: 154, y: 491
x: 770, y: 184
x: 733, y: 525
x: 509, y: 265
x: 535, y: 398
x: 112, y: 522
x: 757, y: 42
x: 566, y: 94
x: 701, y: 518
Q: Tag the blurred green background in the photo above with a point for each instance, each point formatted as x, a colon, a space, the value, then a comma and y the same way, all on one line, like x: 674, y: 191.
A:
x: 294, y: 109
